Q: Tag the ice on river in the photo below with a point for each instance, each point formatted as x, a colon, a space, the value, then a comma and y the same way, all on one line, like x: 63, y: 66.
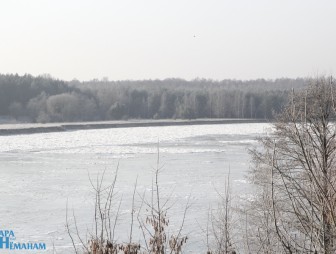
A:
x: 41, y: 172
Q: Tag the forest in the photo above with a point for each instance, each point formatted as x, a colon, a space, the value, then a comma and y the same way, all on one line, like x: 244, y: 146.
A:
x: 45, y: 99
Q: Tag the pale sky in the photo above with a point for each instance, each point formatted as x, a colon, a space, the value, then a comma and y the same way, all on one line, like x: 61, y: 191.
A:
x: 150, y: 39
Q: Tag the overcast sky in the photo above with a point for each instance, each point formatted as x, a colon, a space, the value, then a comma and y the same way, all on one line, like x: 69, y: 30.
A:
x: 149, y: 39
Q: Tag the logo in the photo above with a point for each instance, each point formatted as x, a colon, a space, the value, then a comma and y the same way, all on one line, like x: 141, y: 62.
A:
x: 8, y: 242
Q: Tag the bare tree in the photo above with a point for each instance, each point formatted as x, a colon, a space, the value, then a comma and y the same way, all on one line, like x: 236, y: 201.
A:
x: 294, y: 209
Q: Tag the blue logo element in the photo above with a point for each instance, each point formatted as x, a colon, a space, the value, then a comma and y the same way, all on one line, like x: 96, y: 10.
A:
x: 7, y: 241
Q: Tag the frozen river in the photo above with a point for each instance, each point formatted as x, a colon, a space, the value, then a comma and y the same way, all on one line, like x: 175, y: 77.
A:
x: 40, y: 172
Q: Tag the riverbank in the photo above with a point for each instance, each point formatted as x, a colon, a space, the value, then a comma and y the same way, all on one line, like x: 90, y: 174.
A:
x: 31, y: 128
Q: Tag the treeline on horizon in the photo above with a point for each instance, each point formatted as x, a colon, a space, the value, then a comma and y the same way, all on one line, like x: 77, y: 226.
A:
x: 45, y: 99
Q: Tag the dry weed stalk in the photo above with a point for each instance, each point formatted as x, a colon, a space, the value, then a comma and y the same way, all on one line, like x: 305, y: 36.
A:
x: 154, y: 227
x: 221, y: 223
x: 156, y: 224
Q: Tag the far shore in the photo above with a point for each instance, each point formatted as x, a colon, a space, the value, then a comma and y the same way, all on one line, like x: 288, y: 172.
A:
x: 31, y: 128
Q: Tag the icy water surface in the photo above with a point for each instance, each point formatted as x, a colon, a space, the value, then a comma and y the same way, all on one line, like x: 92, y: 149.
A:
x: 40, y: 172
